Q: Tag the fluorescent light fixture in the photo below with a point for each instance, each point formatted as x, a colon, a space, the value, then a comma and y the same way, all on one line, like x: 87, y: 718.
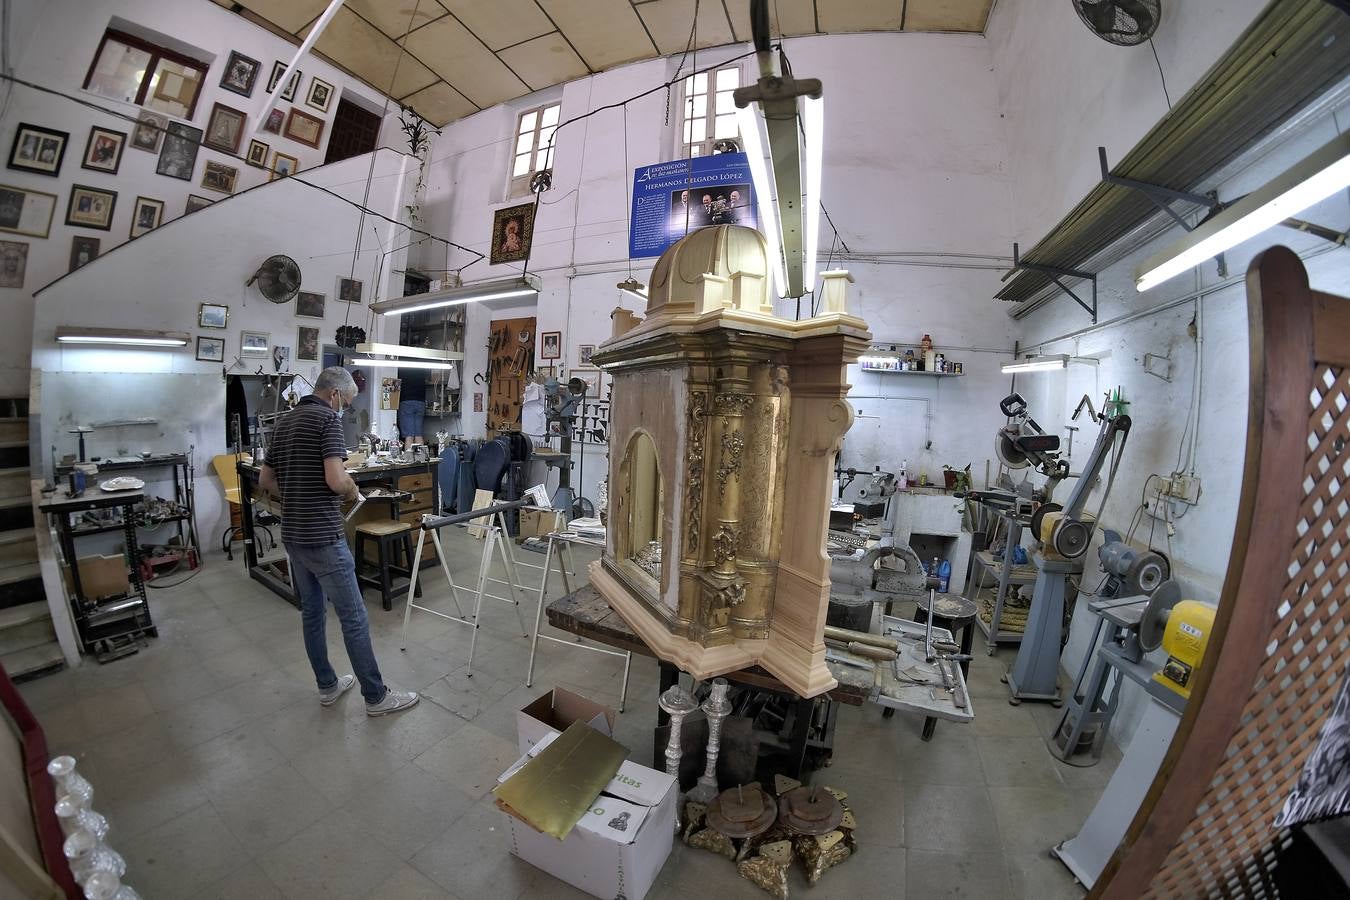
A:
x: 634, y: 287
x: 414, y: 352
x: 401, y: 363
x: 813, y: 129
x: 519, y: 286
x: 1314, y: 179
x: 1047, y: 363
x: 127, y: 337
x: 1038, y: 364
x: 761, y: 173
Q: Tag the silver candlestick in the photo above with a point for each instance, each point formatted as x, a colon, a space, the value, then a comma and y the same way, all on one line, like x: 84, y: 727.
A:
x: 717, y: 707
x: 677, y: 703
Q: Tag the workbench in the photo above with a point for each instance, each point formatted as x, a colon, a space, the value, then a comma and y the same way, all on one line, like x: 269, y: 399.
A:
x: 273, y: 573
x: 106, y: 625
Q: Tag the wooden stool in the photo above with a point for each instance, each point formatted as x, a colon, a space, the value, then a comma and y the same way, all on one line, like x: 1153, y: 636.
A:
x: 389, y: 537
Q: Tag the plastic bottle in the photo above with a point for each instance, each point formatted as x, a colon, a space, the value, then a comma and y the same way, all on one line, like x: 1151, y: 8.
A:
x: 901, y: 479
x: 944, y: 576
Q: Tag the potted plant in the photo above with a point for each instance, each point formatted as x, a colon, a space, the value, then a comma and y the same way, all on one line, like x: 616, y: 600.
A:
x: 957, y: 480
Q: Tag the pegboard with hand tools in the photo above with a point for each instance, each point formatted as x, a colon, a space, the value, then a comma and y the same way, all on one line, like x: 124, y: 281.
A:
x: 510, y: 362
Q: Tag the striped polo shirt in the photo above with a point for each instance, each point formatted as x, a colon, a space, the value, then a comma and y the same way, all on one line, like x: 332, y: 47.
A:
x: 302, y: 440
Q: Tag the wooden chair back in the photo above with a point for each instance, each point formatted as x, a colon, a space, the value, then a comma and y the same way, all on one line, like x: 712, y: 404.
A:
x: 1281, y: 640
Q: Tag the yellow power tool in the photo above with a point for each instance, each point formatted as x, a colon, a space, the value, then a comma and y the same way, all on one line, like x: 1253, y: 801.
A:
x: 1182, y: 628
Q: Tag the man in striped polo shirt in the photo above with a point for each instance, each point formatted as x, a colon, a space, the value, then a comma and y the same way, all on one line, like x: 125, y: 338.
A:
x: 305, y: 466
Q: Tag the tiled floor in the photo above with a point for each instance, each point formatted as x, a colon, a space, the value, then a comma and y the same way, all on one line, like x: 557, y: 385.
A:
x: 223, y: 777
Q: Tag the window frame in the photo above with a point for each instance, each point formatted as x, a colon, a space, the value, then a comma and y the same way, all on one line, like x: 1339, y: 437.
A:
x: 683, y: 149
x: 156, y: 54
x: 519, y: 185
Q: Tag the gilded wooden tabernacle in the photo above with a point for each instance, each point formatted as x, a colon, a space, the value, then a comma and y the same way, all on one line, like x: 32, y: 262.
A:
x: 724, y: 424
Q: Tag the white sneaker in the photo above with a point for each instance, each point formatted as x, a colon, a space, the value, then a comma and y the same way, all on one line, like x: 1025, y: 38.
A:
x: 330, y: 696
x: 394, y: 701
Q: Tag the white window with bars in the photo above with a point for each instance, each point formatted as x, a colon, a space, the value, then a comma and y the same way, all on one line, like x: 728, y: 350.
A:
x: 709, y: 111
x: 533, y: 151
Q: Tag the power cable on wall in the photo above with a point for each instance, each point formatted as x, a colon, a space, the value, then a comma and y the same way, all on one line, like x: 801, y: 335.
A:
x: 1161, y: 76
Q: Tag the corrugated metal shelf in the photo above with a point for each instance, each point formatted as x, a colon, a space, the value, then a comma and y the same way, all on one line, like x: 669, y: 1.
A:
x: 1279, y: 65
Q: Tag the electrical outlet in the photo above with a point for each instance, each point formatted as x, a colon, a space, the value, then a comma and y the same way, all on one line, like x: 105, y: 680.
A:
x: 1185, y: 488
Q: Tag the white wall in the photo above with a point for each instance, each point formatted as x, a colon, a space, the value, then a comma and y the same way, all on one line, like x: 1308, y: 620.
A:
x: 1063, y: 92
x: 1050, y: 64
x: 53, y: 46
x: 901, y: 177
x: 159, y: 280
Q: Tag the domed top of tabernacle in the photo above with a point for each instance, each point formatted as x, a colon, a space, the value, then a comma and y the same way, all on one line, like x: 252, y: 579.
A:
x: 725, y: 251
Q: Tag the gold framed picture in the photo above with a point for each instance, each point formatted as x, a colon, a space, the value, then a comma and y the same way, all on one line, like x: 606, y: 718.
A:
x: 283, y: 164
x: 219, y: 177
x: 512, y: 231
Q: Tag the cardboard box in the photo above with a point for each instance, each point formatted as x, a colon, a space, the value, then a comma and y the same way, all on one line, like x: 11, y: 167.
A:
x: 100, y: 576
x: 536, y: 522
x: 554, y: 711
x: 619, y: 846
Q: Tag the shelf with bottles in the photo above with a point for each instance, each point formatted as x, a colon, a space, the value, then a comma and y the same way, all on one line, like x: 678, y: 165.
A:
x: 894, y: 358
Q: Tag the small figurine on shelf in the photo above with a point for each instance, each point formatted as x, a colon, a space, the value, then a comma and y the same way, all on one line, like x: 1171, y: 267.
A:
x: 909, y: 361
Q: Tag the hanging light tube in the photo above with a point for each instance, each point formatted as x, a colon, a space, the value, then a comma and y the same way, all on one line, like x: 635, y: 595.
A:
x: 128, y: 337
x: 1308, y: 182
x: 813, y: 135
x: 520, y: 286
x: 396, y: 350
x: 1038, y: 364
x: 400, y: 363
x: 761, y: 173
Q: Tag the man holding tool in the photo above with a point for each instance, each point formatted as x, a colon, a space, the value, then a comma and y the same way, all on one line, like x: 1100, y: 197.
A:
x: 305, y: 467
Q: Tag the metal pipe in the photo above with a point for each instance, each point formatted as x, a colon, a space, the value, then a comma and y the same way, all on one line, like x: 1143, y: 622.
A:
x: 317, y: 29
x: 431, y: 523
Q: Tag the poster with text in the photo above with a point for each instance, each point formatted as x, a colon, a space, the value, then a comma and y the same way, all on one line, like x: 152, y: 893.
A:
x: 672, y: 199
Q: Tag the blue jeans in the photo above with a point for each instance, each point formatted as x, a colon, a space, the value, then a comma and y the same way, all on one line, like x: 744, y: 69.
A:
x: 328, y: 570
x: 410, y: 416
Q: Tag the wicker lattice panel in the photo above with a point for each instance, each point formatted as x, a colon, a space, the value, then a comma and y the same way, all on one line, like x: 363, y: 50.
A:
x: 1228, y: 848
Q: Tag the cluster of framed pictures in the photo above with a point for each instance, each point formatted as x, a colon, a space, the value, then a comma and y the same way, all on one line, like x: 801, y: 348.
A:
x: 241, y: 74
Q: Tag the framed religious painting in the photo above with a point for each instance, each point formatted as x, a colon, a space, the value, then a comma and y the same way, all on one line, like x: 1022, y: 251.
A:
x: 320, y: 94
x: 225, y: 128
x: 149, y: 131
x: 178, y: 155
x: 240, y: 74
x: 512, y: 231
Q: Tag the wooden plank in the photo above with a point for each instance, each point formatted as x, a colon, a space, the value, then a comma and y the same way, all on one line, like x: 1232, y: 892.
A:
x: 587, y: 614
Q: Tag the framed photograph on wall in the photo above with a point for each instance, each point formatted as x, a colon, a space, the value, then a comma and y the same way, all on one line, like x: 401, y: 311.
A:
x: 38, y: 149
x: 26, y: 212
x: 275, y: 118
x: 302, y: 127
x: 178, y: 155
x: 512, y: 230
x: 210, y: 349
x: 350, y: 290
x: 91, y: 207
x: 288, y: 92
x: 320, y: 94
x: 257, y: 153
x: 584, y: 352
x: 255, y: 343
x: 309, y: 305
x: 83, y: 251
x: 149, y: 131
x: 213, y: 315
x: 282, y: 165
x: 219, y: 177
x: 103, y: 152
x: 551, y: 348
x: 13, y: 263
x: 240, y: 73
x: 225, y: 128
x: 195, y: 203
x: 307, y: 343
x: 146, y: 215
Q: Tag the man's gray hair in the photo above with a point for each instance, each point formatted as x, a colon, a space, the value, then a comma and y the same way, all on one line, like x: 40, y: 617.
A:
x: 336, y: 378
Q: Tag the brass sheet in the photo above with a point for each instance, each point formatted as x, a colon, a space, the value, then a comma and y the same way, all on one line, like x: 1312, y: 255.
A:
x: 553, y: 791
